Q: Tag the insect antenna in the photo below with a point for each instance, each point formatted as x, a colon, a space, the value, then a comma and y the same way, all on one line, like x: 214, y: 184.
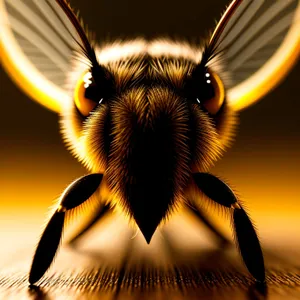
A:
x: 85, y: 46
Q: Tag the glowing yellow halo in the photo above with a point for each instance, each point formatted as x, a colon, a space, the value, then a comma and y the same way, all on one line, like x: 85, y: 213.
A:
x: 221, y: 89
x: 24, y: 74
x: 270, y: 75
x: 33, y: 83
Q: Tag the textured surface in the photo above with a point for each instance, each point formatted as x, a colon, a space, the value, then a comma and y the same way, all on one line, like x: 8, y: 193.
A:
x: 89, y: 282
x: 127, y: 268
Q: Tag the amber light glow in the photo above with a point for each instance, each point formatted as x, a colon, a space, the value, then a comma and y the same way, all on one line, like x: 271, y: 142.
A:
x: 33, y: 181
x: 273, y: 72
x: 23, y: 72
x: 262, y: 167
x: 27, y: 77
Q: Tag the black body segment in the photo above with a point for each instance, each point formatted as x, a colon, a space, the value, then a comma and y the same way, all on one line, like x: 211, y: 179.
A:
x: 246, y: 238
x: 75, y: 194
x: 80, y: 190
x: 149, y: 157
x: 248, y: 244
x: 215, y: 189
x: 47, y: 247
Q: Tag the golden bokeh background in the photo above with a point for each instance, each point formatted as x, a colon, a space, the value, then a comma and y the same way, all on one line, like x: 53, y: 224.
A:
x: 263, y: 164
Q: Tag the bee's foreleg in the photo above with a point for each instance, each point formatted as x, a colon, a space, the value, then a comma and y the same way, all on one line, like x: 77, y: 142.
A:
x: 204, y: 219
x: 100, y: 214
x: 75, y: 194
x: 245, y: 234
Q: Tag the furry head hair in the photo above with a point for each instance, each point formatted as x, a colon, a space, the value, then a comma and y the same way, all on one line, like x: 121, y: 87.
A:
x: 148, y: 134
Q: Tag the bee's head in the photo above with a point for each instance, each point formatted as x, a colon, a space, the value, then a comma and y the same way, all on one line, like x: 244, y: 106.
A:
x: 149, y: 122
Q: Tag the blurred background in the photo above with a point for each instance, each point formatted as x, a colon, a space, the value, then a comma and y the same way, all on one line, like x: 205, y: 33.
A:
x: 263, y: 164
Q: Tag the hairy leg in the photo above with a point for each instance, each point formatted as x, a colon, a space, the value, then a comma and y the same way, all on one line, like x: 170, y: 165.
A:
x: 245, y: 235
x: 76, y: 193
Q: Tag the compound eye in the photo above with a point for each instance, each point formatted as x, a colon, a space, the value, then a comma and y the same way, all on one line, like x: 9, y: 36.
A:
x: 86, y: 94
x: 212, y: 96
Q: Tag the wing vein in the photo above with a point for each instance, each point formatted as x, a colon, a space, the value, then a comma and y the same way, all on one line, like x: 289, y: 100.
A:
x: 39, y: 43
x: 266, y: 37
x: 250, y: 11
x: 257, y: 26
x: 73, y: 33
x: 40, y: 26
x: 60, y: 30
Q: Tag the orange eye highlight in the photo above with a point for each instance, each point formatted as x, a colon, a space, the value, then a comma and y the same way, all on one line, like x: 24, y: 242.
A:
x: 84, y: 88
x: 215, y: 93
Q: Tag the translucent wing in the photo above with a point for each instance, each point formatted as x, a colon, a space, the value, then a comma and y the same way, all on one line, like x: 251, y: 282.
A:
x: 38, y: 44
x: 254, y: 45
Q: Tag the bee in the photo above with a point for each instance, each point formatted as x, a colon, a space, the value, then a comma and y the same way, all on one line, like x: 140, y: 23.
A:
x: 148, y: 118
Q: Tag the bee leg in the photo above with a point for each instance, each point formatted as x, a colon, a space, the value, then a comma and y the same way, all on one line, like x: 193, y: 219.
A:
x: 245, y: 235
x: 75, y: 194
x: 100, y: 214
x: 223, y: 241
